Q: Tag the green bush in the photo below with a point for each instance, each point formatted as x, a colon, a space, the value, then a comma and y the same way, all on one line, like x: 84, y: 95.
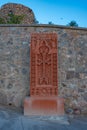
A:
x: 12, y: 19
x: 2, y: 21
x: 73, y: 23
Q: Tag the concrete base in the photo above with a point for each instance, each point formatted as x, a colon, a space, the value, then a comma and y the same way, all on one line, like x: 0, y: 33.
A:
x: 43, y: 106
x: 62, y: 119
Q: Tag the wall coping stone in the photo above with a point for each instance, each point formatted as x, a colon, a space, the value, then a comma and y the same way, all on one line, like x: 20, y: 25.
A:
x: 43, y: 25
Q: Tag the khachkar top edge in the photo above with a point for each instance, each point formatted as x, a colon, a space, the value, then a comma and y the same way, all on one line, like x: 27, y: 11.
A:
x: 46, y: 35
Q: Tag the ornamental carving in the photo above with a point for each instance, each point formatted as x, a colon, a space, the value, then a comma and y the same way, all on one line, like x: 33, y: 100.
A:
x: 43, y: 66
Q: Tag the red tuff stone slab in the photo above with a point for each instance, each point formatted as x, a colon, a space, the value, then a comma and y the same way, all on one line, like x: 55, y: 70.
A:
x: 43, y: 98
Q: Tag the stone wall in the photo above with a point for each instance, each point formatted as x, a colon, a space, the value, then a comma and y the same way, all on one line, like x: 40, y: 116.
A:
x: 17, y: 9
x: 72, y: 64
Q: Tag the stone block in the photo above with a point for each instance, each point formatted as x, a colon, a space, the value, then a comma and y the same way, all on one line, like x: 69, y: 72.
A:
x: 43, y: 77
x: 44, y: 106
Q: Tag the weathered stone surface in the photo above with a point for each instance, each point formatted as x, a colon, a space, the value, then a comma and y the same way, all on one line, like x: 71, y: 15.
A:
x: 72, y: 64
x: 85, y: 96
x: 3, y: 97
x: 17, y: 9
x: 71, y: 75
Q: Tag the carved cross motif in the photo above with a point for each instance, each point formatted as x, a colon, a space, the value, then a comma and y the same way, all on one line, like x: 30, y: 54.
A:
x: 44, y: 50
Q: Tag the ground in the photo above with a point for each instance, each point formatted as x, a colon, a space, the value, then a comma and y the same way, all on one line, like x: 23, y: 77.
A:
x: 12, y: 119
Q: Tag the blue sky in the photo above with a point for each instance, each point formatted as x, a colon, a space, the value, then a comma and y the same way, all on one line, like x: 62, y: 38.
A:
x: 60, y: 12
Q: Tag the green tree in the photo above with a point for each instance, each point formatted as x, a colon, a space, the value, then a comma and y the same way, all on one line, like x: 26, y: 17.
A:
x: 36, y: 21
x: 50, y: 23
x: 73, y: 24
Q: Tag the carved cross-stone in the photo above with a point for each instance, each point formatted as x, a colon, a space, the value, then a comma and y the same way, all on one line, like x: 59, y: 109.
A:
x: 43, y: 51
x: 44, y: 98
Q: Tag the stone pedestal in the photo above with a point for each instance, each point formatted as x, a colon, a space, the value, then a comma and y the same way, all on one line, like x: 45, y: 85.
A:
x: 44, y: 106
x: 43, y: 98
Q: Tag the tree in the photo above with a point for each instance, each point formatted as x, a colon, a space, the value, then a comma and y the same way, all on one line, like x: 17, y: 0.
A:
x: 36, y: 21
x: 50, y: 23
x: 73, y: 24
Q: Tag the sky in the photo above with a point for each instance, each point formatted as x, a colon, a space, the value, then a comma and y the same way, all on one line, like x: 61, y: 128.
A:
x: 59, y: 12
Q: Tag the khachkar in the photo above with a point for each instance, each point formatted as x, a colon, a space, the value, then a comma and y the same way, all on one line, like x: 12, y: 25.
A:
x: 43, y: 98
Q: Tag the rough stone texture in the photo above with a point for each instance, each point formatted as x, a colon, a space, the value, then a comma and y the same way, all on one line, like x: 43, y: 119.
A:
x: 17, y: 9
x: 72, y: 64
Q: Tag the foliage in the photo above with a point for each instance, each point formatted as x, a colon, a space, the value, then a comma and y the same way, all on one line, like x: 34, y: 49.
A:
x: 36, y: 21
x: 15, y: 19
x: 50, y: 23
x: 12, y: 19
x: 2, y: 21
x: 73, y: 24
